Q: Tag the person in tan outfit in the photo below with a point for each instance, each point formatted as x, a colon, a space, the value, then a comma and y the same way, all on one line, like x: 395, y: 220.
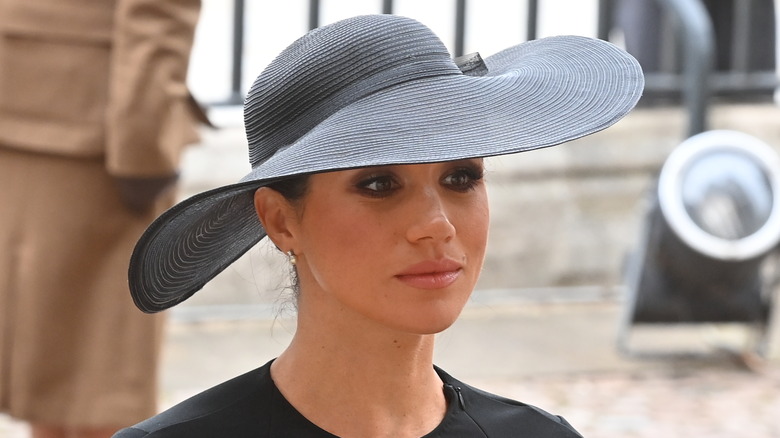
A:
x: 94, y: 114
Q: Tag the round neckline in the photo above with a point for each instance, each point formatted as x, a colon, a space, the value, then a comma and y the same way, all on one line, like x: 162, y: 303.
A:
x: 450, y: 395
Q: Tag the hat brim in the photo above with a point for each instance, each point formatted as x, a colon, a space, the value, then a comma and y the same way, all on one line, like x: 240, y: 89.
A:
x: 537, y: 94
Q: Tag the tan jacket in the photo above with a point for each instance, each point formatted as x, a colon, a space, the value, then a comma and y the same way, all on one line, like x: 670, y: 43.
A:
x: 92, y: 78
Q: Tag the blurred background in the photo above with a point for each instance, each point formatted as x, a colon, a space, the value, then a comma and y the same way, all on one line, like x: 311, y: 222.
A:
x: 630, y: 278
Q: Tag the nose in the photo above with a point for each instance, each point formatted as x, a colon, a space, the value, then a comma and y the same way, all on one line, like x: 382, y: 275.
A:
x: 429, y: 219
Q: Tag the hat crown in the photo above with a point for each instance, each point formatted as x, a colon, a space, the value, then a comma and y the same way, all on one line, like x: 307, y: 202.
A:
x: 331, y: 67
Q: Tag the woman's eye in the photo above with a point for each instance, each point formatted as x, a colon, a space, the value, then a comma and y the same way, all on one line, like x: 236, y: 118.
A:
x: 463, y: 179
x: 378, y: 186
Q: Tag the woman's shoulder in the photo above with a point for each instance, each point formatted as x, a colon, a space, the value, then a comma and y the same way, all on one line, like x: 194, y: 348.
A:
x: 236, y: 400
x: 500, y: 416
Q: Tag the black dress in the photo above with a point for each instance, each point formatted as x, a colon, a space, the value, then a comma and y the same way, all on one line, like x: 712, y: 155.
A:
x: 251, y: 406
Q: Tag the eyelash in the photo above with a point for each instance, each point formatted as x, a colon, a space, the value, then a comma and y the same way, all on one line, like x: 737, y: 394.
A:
x: 474, y: 175
x: 375, y: 179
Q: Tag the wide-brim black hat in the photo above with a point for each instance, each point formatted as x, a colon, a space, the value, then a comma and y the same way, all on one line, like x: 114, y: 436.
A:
x: 379, y: 90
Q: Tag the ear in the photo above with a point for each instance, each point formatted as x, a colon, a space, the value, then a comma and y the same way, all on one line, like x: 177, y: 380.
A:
x: 278, y: 217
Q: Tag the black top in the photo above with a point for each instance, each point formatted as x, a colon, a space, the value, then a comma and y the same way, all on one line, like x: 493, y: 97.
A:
x: 251, y: 406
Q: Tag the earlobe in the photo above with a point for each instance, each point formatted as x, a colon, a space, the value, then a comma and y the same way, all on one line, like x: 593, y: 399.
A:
x: 276, y: 215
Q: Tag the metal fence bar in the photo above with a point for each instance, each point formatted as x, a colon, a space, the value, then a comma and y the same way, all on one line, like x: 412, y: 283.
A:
x: 531, y: 20
x: 460, y: 26
x: 740, y: 36
x: 604, y: 20
x: 237, y: 63
x: 387, y: 6
x: 314, y: 14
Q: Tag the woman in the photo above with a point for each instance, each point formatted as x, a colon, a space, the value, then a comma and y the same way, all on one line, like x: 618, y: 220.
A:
x: 366, y: 142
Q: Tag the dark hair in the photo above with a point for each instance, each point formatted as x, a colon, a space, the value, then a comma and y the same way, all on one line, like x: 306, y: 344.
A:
x: 293, y: 189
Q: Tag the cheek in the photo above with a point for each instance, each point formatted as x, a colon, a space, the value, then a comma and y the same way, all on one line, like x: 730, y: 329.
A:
x: 349, y: 238
x: 342, y: 245
x: 473, y: 227
x: 478, y: 233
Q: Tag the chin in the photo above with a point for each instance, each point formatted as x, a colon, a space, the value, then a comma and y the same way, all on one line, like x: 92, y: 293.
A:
x: 430, y: 324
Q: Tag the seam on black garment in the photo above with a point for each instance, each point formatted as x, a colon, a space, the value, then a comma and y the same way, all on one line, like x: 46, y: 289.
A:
x: 553, y: 418
x: 462, y: 403
x: 132, y: 429
x: 473, y: 420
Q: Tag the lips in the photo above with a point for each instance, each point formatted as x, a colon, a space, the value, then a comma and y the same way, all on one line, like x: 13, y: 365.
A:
x: 431, y: 274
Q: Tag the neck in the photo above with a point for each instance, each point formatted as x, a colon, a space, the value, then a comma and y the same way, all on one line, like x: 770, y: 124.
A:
x: 353, y: 377
x: 360, y: 357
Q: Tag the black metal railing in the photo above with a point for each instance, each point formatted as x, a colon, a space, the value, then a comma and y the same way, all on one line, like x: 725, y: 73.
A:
x: 690, y: 79
x: 690, y: 66
x: 696, y: 42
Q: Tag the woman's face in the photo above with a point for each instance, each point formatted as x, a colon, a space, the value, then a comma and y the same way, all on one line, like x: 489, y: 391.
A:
x: 400, y: 245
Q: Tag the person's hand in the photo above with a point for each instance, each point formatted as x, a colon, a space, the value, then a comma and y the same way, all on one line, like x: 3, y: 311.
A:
x: 140, y: 194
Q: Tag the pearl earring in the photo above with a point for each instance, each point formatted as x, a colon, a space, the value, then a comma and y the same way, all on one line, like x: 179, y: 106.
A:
x: 291, y: 257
